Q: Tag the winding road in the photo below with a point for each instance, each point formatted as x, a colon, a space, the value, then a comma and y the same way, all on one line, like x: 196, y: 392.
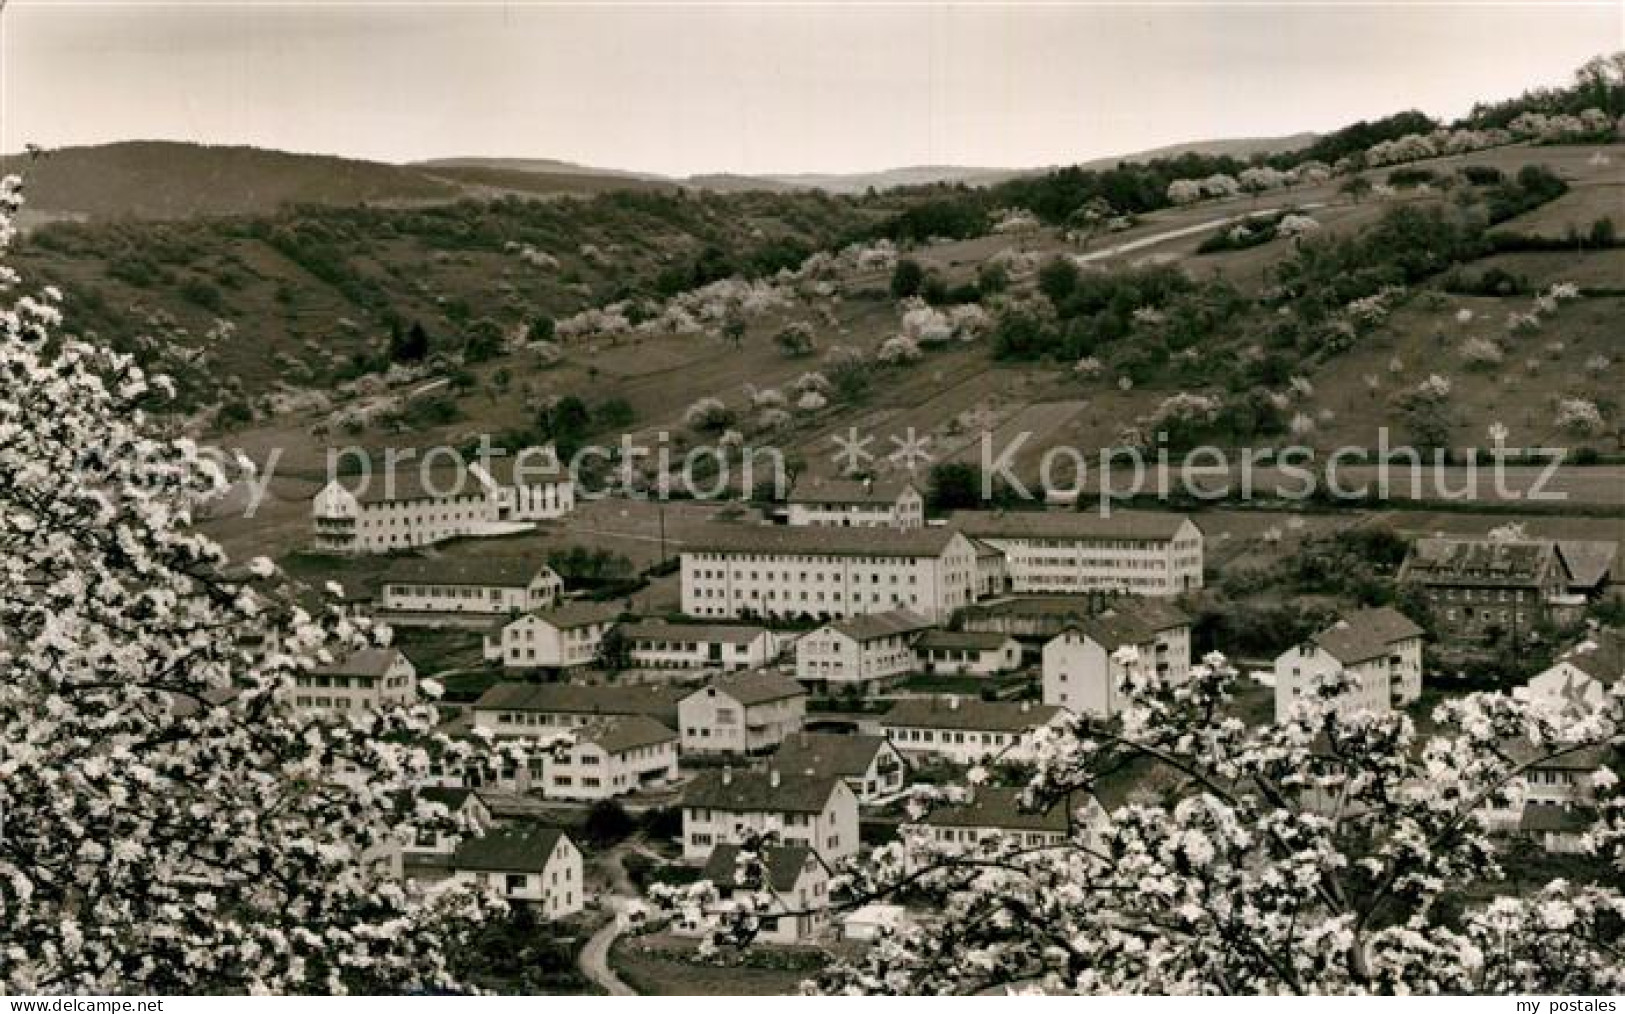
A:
x: 594, y: 957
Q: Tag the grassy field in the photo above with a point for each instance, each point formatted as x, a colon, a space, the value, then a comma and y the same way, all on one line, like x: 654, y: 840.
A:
x: 649, y: 967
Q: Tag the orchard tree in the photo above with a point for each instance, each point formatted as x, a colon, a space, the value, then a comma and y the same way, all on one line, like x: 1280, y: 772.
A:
x: 167, y: 823
x: 1342, y: 853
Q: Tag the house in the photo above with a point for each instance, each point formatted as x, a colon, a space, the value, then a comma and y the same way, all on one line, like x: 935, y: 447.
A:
x: 795, y: 880
x: 536, y: 709
x: 1380, y: 650
x: 734, y: 570
x: 964, y: 730
x: 1034, y: 620
x: 1138, y: 552
x: 652, y: 644
x: 371, y: 678
x: 425, y: 854
x: 992, y: 570
x: 537, y: 865
x: 1086, y: 664
x: 420, y: 503
x: 993, y: 812
x: 1564, y: 782
x: 484, y: 586
x: 872, y: 767
x: 1578, y: 682
x: 742, y: 714
x: 859, y: 654
x: 857, y: 503
x: 810, y: 811
x: 1557, y: 827
x: 611, y: 757
x: 560, y: 638
x: 966, y: 653
x: 1485, y: 589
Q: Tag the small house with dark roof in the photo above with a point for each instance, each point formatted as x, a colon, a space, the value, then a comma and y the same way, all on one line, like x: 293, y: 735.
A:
x: 1379, y: 651
x: 743, y: 713
x: 966, y: 730
x: 537, y: 865
x: 468, y: 586
x: 871, y: 765
x: 794, y: 878
x: 1557, y: 827
x: 655, y: 644
x: 1087, y: 662
x: 857, y: 503
x: 611, y: 757
x: 1554, y: 776
x: 370, y: 678
x: 966, y: 653
x: 564, y: 637
x: 425, y: 850
x: 729, y: 806
x: 1579, y: 681
x: 860, y: 654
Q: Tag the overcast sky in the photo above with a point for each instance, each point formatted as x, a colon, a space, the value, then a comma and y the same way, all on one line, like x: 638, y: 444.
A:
x: 761, y: 87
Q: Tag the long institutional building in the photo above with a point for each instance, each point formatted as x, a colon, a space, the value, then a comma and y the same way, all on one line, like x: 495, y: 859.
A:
x: 744, y: 570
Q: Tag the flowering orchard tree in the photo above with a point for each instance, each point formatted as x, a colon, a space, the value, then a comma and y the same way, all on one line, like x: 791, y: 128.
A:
x: 169, y: 825
x: 1325, y: 853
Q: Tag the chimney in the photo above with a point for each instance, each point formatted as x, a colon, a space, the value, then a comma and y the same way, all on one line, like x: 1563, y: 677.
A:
x: 953, y: 702
x: 727, y: 774
x: 773, y: 778
x: 1026, y: 706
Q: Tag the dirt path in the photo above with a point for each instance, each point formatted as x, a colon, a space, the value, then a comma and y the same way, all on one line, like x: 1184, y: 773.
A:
x: 594, y: 957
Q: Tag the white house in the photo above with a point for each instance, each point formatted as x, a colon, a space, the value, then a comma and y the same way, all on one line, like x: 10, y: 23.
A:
x: 735, y: 570
x: 536, y: 709
x: 611, y: 758
x: 1140, y: 552
x: 872, y: 767
x: 425, y: 852
x: 859, y: 654
x: 1553, y: 801
x: 1578, y: 683
x: 994, y: 812
x: 857, y: 503
x: 742, y: 714
x: 1380, y: 650
x: 421, y: 502
x: 481, y: 586
x: 964, y: 730
x: 725, y: 647
x: 1085, y: 665
x: 367, y: 679
x: 795, y: 880
x: 560, y: 638
x: 537, y: 865
x: 966, y: 653
x: 810, y: 811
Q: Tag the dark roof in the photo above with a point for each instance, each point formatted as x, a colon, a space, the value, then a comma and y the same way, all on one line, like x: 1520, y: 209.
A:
x: 409, y: 481
x: 968, y: 713
x: 1366, y: 634
x: 756, y: 792
x: 657, y: 702
x: 829, y: 753
x: 1154, y: 614
x: 1600, y: 656
x: 999, y: 808
x: 629, y: 732
x: 570, y: 615
x: 1553, y: 817
x: 851, y: 491
x: 1583, y: 759
x: 962, y: 640
x: 509, y: 850
x: 1589, y: 562
x: 723, y: 633
x: 820, y: 540
x: 503, y: 571
x: 536, y: 465
x: 783, y: 863
x: 1149, y: 525
x: 451, y: 797
x: 1138, y: 623
x: 372, y: 662
x: 888, y: 624
x: 1477, y: 562
x: 755, y: 687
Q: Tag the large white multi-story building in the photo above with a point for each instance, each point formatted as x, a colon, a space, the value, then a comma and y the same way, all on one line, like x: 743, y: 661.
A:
x: 561, y: 638
x: 481, y: 586
x: 1140, y: 552
x: 827, y: 573
x: 368, y: 679
x: 653, y: 644
x: 1380, y: 651
x: 859, y: 654
x: 742, y: 714
x: 857, y: 503
x: 1086, y: 664
x: 419, y: 503
x: 963, y: 730
x: 809, y: 811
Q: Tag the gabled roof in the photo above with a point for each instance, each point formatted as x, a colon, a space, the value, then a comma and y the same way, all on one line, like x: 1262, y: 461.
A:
x: 657, y: 702
x: 707, y: 633
x: 1154, y: 526
x: 373, y: 662
x: 1366, y: 634
x: 629, y: 732
x: 1600, y: 656
x: 501, y: 571
x: 999, y: 808
x: 754, y: 688
x: 1555, y: 818
x: 1135, y: 623
x: 509, y: 850
x: 961, y: 640
x: 968, y: 713
x: 820, y: 540
x: 410, y: 481
x: 851, y: 491
x: 1583, y: 759
x: 1589, y: 562
x: 572, y: 615
x: 870, y: 626
x: 760, y: 792
x: 783, y: 865
x: 829, y: 753
x: 1478, y: 562
x: 534, y: 465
